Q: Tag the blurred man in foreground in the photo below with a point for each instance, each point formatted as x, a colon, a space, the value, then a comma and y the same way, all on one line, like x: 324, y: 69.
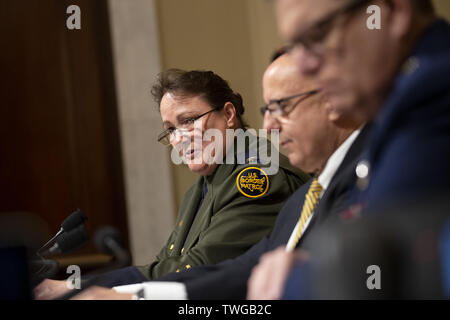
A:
x: 392, y: 74
x: 395, y: 75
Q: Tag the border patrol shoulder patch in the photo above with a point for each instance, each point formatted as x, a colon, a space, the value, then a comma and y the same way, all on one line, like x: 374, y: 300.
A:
x: 252, y: 182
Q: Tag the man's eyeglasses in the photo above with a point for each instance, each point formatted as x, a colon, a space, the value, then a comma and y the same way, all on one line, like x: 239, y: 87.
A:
x: 313, y: 39
x: 277, y: 108
x: 185, y: 126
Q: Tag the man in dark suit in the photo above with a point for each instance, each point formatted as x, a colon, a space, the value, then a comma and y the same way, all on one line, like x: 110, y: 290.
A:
x: 297, y: 109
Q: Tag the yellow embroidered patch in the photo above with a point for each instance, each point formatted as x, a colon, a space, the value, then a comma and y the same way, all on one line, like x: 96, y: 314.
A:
x: 252, y: 182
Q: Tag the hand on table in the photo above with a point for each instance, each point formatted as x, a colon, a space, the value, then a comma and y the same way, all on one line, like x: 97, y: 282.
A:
x: 50, y: 289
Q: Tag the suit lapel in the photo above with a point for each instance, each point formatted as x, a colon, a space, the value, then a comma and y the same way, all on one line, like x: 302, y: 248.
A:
x: 345, y: 174
x: 292, y: 215
x: 288, y: 218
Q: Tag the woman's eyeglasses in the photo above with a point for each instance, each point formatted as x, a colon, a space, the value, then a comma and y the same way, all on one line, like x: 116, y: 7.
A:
x: 185, y: 126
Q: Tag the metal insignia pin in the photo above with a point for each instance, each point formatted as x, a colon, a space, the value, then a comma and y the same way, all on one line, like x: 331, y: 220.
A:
x: 362, y: 173
x: 252, y: 160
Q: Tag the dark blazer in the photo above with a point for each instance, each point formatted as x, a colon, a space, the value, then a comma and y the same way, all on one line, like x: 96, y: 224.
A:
x: 409, y: 147
x: 228, y: 280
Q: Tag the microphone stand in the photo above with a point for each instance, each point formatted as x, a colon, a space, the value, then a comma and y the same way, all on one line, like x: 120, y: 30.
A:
x: 96, y: 277
x: 107, y: 240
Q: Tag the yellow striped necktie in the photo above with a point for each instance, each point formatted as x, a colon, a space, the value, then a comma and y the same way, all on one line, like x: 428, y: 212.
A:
x: 310, y: 204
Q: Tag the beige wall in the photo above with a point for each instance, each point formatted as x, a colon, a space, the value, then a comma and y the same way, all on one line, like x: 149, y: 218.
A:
x: 234, y: 38
x: 147, y: 171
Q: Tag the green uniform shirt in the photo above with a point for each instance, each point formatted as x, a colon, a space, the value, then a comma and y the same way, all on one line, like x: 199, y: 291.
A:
x: 239, y: 208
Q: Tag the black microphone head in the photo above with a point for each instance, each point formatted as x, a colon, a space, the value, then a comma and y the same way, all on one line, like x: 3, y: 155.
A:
x: 103, y: 234
x: 74, y: 220
x: 73, y: 239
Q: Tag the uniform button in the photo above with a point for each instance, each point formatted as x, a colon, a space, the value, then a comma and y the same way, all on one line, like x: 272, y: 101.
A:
x: 171, y: 247
x: 188, y: 266
x: 180, y: 223
x: 182, y: 250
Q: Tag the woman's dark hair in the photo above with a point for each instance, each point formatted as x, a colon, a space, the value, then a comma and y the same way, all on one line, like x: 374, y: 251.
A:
x: 205, y: 84
x: 424, y: 6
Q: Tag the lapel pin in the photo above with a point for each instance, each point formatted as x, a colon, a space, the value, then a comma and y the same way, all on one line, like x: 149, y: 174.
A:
x: 362, y: 173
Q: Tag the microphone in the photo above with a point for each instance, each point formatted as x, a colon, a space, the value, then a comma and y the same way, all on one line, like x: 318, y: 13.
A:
x: 108, y: 240
x: 72, y: 221
x: 47, y: 269
x: 69, y: 241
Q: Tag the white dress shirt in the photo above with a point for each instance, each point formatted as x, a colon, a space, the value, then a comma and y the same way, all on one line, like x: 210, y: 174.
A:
x: 161, y: 290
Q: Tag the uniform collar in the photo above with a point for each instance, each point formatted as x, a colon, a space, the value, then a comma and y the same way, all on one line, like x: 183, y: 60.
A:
x: 225, y: 170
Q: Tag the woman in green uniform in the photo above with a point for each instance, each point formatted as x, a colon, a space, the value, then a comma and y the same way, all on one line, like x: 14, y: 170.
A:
x: 234, y: 202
